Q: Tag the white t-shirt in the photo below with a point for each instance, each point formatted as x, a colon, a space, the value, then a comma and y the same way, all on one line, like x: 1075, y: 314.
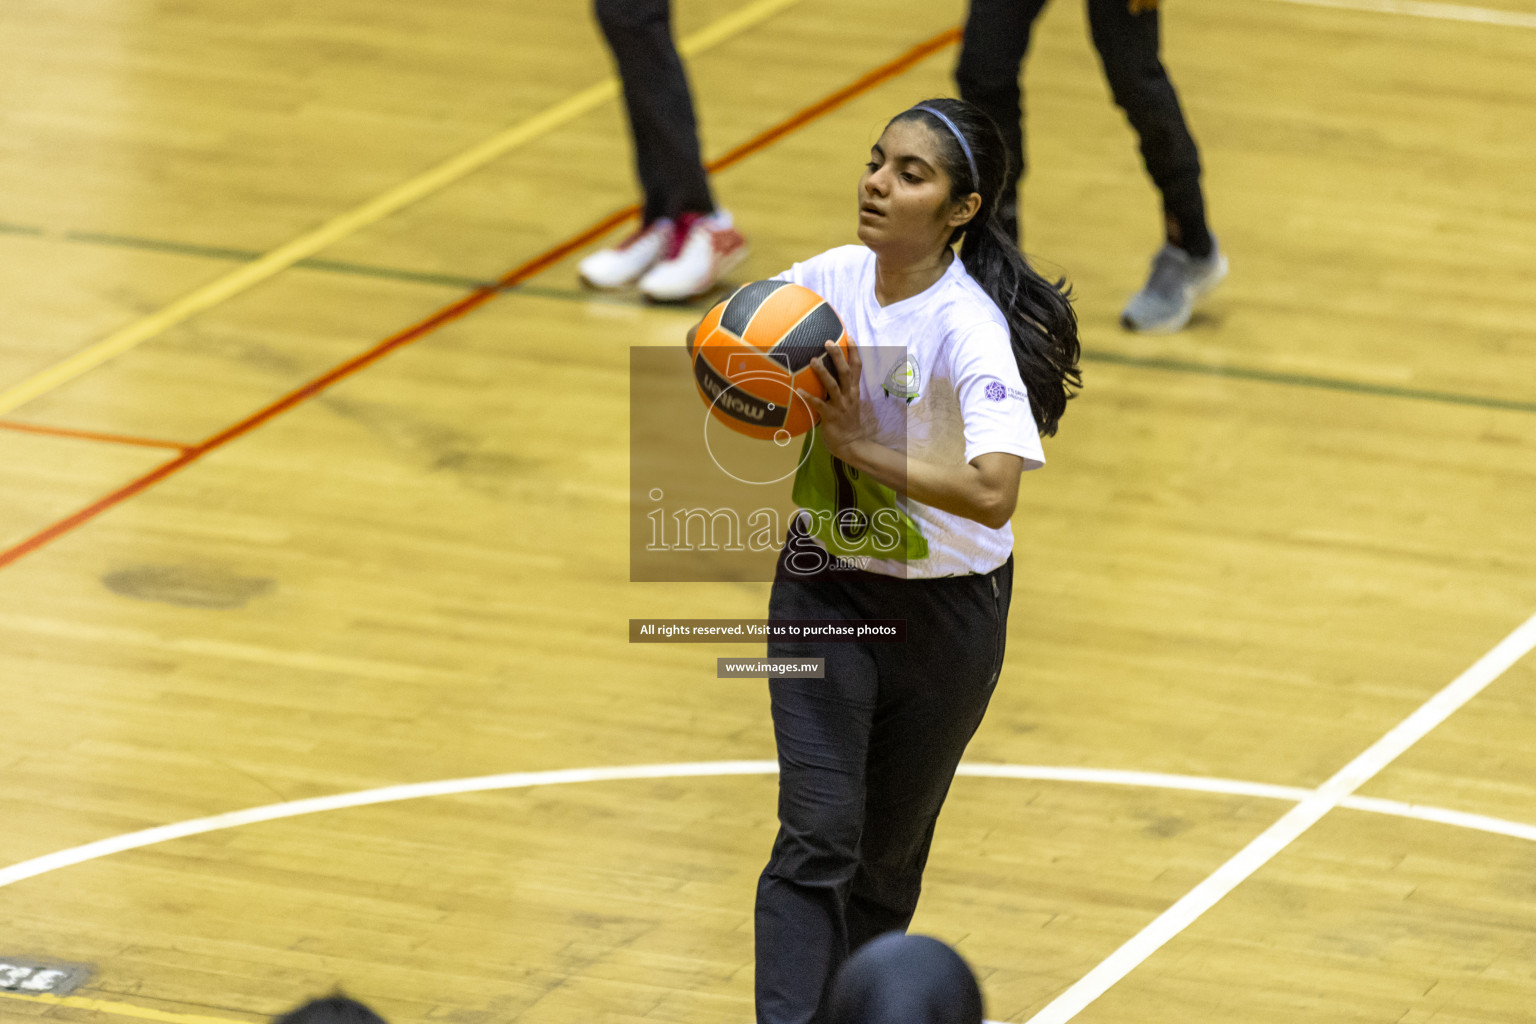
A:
x: 940, y: 383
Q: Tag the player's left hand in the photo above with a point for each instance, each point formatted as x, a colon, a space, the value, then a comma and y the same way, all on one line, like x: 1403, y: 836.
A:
x: 839, y: 414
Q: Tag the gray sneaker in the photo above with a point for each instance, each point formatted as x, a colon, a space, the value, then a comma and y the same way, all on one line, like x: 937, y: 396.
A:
x: 1163, y: 305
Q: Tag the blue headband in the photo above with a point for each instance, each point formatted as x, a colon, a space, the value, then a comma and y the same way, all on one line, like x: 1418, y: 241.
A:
x: 966, y: 146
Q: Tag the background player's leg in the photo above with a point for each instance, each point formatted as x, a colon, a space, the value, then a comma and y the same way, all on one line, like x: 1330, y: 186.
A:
x: 996, y: 39
x: 934, y: 690
x: 1128, y: 45
x: 821, y: 727
x: 1127, y: 36
x: 659, y: 104
x: 683, y: 246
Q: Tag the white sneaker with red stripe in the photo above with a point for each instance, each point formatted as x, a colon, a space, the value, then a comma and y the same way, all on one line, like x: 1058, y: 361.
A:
x: 623, y: 264
x: 704, y: 248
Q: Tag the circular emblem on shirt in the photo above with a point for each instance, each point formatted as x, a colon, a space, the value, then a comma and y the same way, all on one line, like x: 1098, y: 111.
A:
x: 904, y: 381
x: 995, y: 391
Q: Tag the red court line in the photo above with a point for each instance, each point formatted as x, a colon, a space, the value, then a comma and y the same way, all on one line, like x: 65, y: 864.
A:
x: 91, y: 435
x: 830, y: 103
x: 472, y: 301
x: 91, y: 511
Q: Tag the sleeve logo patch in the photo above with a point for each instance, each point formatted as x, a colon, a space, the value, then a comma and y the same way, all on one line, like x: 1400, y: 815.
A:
x: 996, y: 391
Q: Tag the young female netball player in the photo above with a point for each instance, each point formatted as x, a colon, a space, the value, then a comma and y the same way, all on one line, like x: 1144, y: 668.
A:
x: 960, y: 363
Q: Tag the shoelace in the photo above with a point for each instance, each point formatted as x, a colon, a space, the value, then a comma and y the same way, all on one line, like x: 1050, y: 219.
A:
x: 681, y: 234
x: 641, y: 233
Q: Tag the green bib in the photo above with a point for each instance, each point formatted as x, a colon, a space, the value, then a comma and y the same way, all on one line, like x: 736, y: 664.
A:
x: 852, y: 513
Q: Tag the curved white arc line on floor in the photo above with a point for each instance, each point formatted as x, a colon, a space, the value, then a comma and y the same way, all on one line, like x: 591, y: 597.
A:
x: 364, y: 798
x: 1442, y: 816
x: 707, y: 769
x: 1145, y: 780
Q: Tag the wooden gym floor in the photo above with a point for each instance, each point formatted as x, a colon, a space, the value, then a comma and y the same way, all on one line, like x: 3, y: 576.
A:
x: 292, y: 507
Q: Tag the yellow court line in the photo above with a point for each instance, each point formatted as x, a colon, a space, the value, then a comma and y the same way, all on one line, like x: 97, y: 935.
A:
x: 123, y: 1009
x: 334, y: 230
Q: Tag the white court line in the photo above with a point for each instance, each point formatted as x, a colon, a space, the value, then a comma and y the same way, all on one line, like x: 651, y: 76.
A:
x: 707, y: 769
x: 1460, y: 819
x: 387, y: 794
x: 1421, y: 9
x: 1295, y: 822
x: 1150, y: 780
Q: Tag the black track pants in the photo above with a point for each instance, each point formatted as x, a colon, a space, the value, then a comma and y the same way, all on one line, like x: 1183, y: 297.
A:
x: 639, y: 32
x: 996, y: 39
x: 866, y: 757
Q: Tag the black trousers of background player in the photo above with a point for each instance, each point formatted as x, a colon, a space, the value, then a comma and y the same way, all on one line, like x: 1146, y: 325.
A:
x: 866, y: 757
x: 1126, y: 34
x: 639, y: 32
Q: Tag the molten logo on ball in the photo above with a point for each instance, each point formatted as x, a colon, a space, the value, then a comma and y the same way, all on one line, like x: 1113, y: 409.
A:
x: 752, y: 352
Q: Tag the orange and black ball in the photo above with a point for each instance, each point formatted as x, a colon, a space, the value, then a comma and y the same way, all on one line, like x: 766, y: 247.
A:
x: 754, y: 349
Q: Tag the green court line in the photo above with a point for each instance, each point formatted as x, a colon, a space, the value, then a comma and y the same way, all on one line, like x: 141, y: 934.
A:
x: 578, y: 295
x: 245, y: 255
x: 458, y: 281
x: 19, y: 229
x: 540, y: 291
x: 159, y: 245
x: 1301, y: 380
x: 395, y: 274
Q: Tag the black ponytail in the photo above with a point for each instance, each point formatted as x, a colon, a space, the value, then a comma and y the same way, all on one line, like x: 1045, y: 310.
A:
x: 1041, y: 323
